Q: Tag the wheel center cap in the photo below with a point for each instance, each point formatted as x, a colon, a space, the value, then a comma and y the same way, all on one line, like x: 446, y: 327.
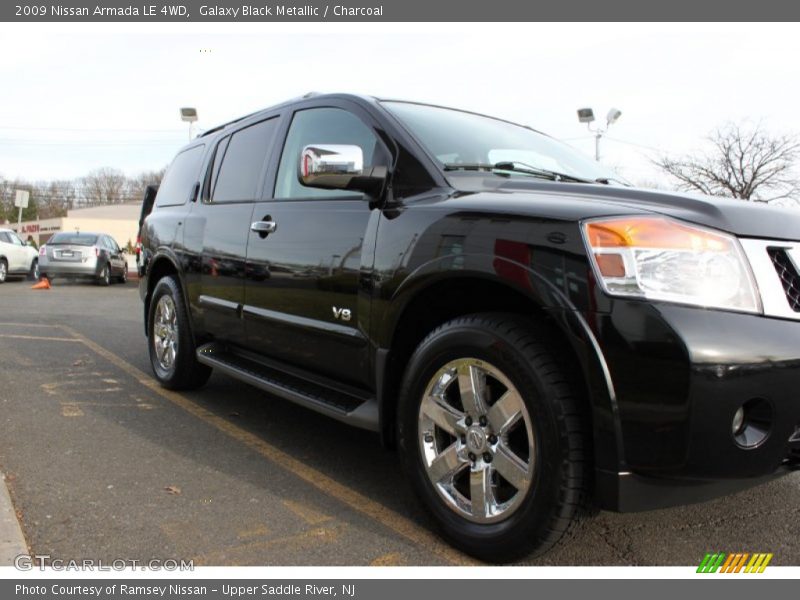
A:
x: 476, y: 440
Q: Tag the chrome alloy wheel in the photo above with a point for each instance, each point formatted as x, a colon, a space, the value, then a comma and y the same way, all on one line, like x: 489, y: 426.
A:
x: 477, y: 441
x: 165, y: 332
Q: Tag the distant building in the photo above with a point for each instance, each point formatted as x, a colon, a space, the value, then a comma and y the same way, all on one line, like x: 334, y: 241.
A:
x: 120, y: 221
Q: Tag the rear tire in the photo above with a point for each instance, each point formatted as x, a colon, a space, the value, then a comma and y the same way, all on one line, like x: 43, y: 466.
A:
x: 104, y: 278
x: 170, y: 341
x: 504, y: 470
x: 3, y: 270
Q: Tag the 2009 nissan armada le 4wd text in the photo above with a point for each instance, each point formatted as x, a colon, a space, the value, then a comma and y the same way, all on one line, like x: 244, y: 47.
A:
x: 531, y: 335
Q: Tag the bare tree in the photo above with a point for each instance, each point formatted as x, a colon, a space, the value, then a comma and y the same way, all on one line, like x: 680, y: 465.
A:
x: 137, y: 184
x: 104, y: 186
x: 743, y: 161
x: 55, y: 198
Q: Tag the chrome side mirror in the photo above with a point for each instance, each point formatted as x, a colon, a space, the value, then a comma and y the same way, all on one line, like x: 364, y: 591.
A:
x: 338, y: 167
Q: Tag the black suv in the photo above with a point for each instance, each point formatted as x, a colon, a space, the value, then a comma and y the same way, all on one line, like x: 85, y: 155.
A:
x: 532, y: 334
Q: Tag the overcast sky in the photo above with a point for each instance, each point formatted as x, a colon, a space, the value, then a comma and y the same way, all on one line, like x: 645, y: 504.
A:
x: 80, y: 97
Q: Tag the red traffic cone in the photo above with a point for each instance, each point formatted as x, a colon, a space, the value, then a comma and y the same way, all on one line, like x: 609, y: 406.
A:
x: 44, y: 284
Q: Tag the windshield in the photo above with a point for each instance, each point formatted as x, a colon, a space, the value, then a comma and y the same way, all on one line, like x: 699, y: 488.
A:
x: 73, y: 239
x: 457, y: 138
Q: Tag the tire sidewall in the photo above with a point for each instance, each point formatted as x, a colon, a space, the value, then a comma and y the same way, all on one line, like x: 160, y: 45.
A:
x: 3, y: 270
x: 537, y: 509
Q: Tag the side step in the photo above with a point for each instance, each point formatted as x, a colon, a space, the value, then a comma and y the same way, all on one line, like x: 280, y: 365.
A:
x: 343, y: 404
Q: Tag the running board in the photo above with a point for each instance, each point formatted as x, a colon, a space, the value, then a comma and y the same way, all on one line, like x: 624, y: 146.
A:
x: 340, y: 403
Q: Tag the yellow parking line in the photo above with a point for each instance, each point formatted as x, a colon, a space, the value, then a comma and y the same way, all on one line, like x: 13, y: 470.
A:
x: 42, y: 338
x: 238, y: 553
x: 393, y: 559
x: 355, y: 500
x: 308, y: 514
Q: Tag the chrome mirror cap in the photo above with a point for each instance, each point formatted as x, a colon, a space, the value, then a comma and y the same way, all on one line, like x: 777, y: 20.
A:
x: 330, y: 166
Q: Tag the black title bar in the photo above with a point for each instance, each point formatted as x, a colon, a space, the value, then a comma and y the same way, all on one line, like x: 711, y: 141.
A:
x: 399, y: 10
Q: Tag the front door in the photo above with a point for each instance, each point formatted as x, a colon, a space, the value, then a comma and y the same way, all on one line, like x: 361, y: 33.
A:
x: 304, y: 302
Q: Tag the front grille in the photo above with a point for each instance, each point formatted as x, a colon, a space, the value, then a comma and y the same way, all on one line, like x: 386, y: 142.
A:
x: 790, y: 280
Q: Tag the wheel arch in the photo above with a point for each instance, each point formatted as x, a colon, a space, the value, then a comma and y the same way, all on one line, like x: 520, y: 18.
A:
x: 434, y: 298
x: 164, y: 263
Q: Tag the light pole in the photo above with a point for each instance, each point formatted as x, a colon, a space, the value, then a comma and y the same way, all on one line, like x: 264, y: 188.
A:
x: 190, y: 116
x: 586, y: 115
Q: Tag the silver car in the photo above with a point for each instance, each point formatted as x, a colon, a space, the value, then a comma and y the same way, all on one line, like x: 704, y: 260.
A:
x: 86, y: 255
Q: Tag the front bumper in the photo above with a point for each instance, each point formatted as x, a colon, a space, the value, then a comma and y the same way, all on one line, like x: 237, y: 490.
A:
x: 679, y: 375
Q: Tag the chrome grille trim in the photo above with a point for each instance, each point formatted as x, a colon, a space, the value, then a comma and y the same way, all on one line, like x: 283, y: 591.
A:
x: 770, y: 286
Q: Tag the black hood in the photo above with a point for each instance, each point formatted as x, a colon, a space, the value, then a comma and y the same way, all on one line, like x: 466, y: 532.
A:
x: 745, y: 219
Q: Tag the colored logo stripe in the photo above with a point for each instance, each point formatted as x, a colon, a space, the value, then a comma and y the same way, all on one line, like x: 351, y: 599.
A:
x: 734, y: 563
x: 711, y: 562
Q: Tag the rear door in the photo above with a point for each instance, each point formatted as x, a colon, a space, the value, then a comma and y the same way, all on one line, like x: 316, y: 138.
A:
x: 303, y: 303
x: 219, y: 225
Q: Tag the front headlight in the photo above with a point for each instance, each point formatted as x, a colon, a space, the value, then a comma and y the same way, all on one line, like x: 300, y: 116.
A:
x: 663, y: 259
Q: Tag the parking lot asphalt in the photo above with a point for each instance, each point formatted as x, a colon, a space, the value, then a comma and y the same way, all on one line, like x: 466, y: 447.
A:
x: 102, y: 463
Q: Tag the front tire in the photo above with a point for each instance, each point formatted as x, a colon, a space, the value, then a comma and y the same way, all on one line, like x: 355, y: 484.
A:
x: 170, y: 342
x: 3, y: 270
x: 34, y: 272
x: 492, y: 436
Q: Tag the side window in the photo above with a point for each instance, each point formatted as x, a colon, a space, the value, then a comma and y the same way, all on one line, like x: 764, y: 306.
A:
x: 180, y: 178
x: 243, y: 162
x: 4, y: 237
x: 320, y: 126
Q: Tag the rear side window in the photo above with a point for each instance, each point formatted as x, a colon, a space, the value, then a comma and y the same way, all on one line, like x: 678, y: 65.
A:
x: 243, y: 162
x: 180, y: 178
x: 4, y: 237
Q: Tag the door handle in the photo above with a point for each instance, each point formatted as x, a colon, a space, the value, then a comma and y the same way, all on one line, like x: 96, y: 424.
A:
x: 264, y: 227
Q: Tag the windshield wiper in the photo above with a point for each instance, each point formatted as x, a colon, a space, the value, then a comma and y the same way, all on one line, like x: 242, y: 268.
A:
x: 515, y: 167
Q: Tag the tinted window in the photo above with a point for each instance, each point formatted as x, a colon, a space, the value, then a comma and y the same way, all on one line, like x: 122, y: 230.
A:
x: 320, y: 126
x: 243, y: 162
x: 4, y: 237
x: 73, y: 239
x: 180, y: 178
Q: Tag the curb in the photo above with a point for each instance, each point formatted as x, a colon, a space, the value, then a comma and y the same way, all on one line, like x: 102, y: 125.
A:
x: 12, y: 542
